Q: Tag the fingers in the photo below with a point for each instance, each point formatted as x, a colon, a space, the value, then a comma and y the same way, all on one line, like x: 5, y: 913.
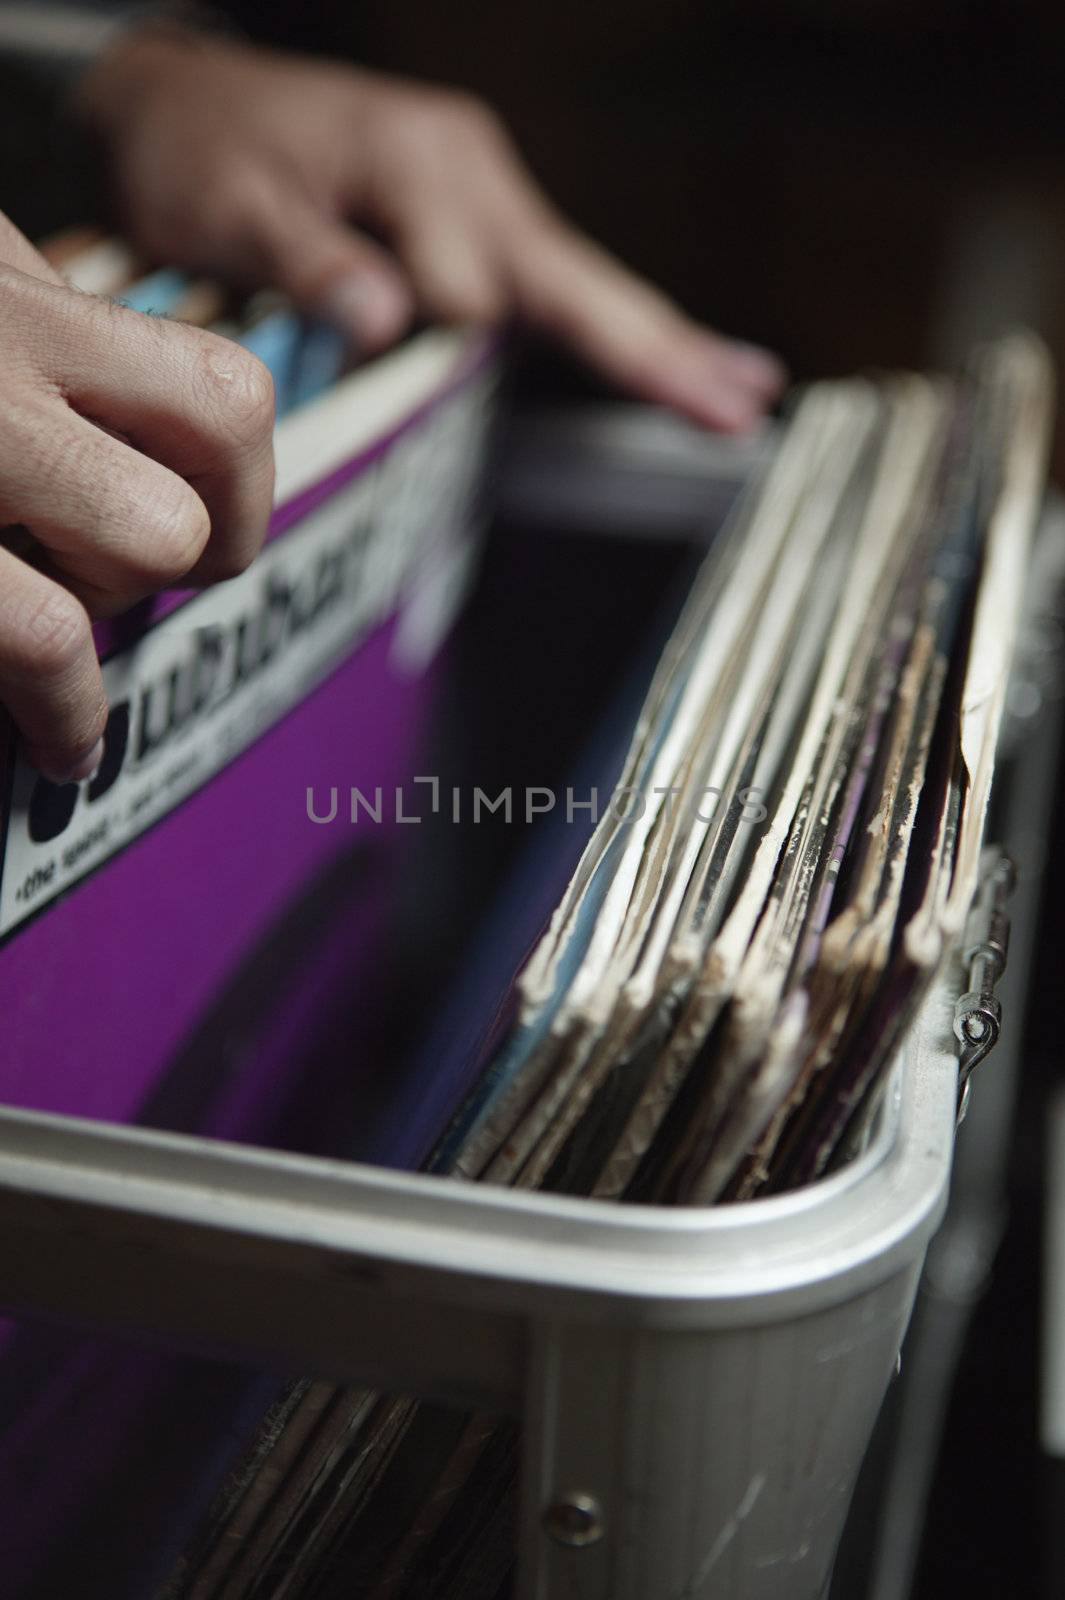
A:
x: 182, y: 494
x: 465, y: 264
x: 565, y: 285
x: 454, y: 272
x: 323, y: 265
x: 115, y: 526
x: 49, y: 675
x: 196, y: 403
x: 16, y: 251
x: 480, y: 241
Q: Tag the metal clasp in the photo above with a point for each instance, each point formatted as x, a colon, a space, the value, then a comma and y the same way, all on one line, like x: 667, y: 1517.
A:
x: 978, y: 1014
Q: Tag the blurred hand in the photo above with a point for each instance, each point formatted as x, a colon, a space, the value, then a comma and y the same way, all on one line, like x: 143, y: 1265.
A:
x: 256, y: 166
x: 134, y: 454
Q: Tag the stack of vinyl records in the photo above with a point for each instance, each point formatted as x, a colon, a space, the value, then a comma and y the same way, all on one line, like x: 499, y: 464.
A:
x: 784, y: 865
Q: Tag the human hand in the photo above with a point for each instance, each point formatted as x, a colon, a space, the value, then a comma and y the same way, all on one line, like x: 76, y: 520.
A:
x: 134, y: 454
x: 255, y: 165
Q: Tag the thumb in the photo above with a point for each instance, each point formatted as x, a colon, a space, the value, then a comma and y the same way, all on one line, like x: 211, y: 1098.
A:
x: 332, y: 270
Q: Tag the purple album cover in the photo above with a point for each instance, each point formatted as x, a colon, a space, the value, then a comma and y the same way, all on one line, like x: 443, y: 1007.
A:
x: 126, y: 903
x: 186, y: 940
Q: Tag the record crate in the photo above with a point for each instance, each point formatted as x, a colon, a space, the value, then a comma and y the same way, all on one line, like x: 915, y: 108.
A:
x: 696, y: 1387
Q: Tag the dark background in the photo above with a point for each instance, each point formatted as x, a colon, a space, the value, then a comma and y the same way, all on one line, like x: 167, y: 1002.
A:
x: 854, y: 183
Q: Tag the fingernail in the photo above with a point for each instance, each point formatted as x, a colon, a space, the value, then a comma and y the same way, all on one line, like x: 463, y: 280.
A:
x: 756, y: 366
x: 735, y: 411
x: 372, y: 307
x: 716, y: 404
x: 87, y: 767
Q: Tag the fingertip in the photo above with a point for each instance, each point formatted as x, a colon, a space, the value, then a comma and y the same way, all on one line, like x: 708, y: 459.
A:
x: 751, y: 364
x: 726, y: 408
x: 720, y: 383
x: 75, y: 771
x: 374, y: 308
x: 734, y: 419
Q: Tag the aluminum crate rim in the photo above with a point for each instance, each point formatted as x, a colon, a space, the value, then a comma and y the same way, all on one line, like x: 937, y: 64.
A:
x: 442, y: 1241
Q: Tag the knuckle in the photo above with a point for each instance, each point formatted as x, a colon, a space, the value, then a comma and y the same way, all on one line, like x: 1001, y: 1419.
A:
x: 448, y: 120
x: 238, y: 389
x: 24, y: 289
x: 34, y: 321
x: 474, y: 301
x: 253, y: 396
x: 174, y: 528
x: 472, y: 116
x: 224, y: 202
x: 14, y: 286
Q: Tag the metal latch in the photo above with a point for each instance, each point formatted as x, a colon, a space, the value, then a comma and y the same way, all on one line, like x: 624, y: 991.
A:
x: 978, y: 1014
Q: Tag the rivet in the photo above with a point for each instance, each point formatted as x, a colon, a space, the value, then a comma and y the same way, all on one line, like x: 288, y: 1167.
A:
x: 575, y: 1520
